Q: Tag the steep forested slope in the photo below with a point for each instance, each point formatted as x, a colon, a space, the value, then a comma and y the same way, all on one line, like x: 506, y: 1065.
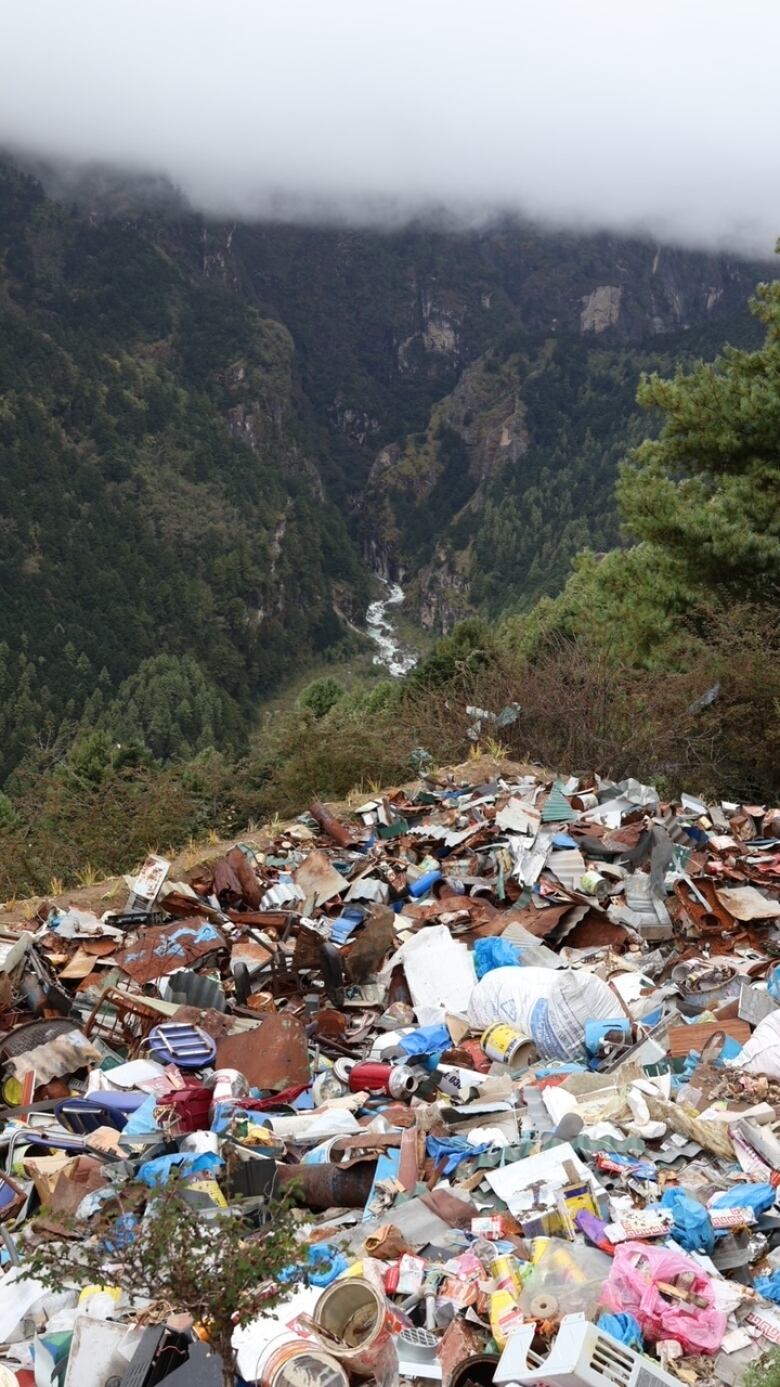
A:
x: 157, y: 494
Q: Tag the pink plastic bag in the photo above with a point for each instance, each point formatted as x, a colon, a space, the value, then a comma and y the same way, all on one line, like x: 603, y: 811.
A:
x: 632, y: 1286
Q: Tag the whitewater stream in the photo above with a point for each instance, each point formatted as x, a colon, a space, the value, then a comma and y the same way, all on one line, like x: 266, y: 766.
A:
x: 391, y: 652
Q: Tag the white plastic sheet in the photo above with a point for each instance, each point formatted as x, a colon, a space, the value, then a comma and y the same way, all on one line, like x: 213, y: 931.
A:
x: 439, y: 972
x: 761, y: 1053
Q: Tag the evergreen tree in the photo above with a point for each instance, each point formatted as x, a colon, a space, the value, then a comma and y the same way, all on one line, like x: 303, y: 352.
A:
x: 170, y: 706
x: 706, y: 493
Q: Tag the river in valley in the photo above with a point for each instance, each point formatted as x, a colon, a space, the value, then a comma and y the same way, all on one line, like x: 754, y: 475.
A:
x: 391, y: 651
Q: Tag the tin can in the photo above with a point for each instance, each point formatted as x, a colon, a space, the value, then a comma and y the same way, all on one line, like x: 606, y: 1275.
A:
x: 354, y: 1318
x: 227, y: 1084
x: 592, y: 883
x: 375, y: 1077
x: 327, y: 1085
x: 507, y: 1046
x: 288, y: 1361
x: 585, y: 799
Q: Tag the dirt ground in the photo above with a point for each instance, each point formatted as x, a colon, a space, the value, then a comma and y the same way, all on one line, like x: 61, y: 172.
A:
x: 111, y: 893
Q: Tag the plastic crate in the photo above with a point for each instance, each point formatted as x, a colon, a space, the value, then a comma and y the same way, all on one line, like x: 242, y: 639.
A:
x: 581, y: 1356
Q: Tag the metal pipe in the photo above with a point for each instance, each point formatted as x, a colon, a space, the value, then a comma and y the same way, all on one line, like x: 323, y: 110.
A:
x: 330, y: 824
x: 328, y: 1186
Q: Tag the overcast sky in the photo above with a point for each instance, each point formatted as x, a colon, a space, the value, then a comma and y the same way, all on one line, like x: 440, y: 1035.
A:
x: 624, y: 114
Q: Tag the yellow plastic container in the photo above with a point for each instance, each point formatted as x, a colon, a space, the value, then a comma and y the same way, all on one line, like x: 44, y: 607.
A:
x: 505, y: 1316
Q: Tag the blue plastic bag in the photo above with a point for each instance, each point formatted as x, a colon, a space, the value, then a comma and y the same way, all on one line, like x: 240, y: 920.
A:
x: 183, y: 1163
x: 427, y: 1040
x: 693, y: 1228
x: 495, y: 953
x: 622, y: 1327
x: 759, y: 1198
x: 453, y: 1149
x: 324, y: 1263
x: 769, y: 1286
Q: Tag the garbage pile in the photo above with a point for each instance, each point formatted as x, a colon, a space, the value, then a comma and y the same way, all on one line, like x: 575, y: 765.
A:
x: 512, y: 1048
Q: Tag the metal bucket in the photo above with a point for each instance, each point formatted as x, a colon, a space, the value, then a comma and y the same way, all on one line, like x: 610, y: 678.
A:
x: 508, y: 1046
x: 354, y: 1318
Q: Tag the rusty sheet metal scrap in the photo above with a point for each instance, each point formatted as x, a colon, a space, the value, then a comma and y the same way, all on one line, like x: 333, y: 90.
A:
x: 163, y: 949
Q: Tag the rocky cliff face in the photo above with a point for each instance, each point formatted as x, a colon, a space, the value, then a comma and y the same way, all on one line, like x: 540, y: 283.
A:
x: 474, y: 393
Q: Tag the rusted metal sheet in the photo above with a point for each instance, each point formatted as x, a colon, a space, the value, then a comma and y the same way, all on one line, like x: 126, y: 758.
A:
x: 319, y: 881
x: 408, y: 1173
x: 540, y: 923
x: 251, y: 953
x: 162, y: 949
x: 681, y: 1039
x: 596, y: 931
x: 459, y: 1342
x: 226, y: 882
x: 275, y: 920
x: 375, y: 940
x: 272, y: 1056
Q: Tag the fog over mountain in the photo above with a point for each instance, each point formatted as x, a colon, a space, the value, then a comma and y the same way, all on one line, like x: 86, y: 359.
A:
x: 662, y: 119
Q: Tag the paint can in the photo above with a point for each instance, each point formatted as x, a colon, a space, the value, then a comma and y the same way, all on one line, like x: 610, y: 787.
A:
x: 507, y: 1046
x: 288, y: 1361
x: 327, y: 1085
x: 592, y: 883
x: 227, y: 1084
x: 585, y: 799
x: 356, y: 1325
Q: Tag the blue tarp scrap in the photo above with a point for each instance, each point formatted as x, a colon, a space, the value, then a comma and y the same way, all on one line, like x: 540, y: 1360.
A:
x: 769, y: 1286
x: 453, y: 1150
x: 759, y: 1198
x: 387, y: 1168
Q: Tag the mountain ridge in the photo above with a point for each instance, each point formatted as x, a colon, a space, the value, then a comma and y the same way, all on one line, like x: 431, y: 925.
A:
x: 211, y: 434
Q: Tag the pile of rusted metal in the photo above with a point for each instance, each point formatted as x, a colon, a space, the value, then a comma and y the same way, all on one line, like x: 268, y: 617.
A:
x: 513, y: 1047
